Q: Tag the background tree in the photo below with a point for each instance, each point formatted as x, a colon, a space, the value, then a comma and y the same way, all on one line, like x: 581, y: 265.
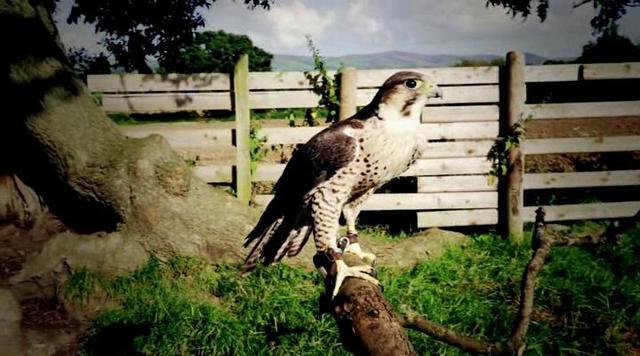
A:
x: 610, y: 47
x: 84, y: 63
x: 479, y: 62
x: 122, y: 199
x: 608, y: 12
x: 136, y: 30
x: 218, y: 51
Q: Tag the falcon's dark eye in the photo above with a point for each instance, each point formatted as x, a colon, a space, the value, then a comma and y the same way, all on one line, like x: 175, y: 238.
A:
x: 410, y: 83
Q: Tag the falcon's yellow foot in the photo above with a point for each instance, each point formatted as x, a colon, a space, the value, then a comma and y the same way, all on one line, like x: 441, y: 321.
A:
x: 356, y: 250
x: 344, y: 271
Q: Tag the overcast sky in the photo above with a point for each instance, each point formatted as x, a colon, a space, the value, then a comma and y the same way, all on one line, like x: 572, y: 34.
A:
x: 340, y: 27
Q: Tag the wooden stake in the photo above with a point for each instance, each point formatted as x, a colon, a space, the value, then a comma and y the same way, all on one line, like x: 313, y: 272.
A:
x: 243, y: 117
x: 512, y: 194
x: 348, y: 93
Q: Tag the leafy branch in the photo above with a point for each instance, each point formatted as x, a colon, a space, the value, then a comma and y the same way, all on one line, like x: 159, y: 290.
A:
x: 324, y: 85
x: 499, y: 152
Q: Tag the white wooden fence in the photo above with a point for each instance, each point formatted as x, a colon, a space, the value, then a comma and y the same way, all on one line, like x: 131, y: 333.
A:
x: 452, y: 188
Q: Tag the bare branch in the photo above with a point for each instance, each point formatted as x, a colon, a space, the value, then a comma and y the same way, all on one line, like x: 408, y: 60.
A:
x: 612, y: 234
x: 541, y: 245
x: 576, y: 5
x: 444, y: 334
x: 579, y: 240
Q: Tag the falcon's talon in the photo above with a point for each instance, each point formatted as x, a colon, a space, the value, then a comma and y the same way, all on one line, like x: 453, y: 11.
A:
x: 344, y: 271
x: 343, y: 243
x: 364, y: 269
x: 357, y: 250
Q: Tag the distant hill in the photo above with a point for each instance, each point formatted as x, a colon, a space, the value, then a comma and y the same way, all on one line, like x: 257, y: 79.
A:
x: 392, y: 59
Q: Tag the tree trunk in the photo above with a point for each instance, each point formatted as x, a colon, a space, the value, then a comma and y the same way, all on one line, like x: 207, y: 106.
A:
x: 97, y: 181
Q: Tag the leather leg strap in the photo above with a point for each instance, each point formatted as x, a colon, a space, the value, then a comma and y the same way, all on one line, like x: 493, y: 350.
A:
x: 353, y: 237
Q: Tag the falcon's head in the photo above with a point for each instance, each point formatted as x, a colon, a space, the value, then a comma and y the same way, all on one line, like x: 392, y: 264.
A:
x: 403, y: 96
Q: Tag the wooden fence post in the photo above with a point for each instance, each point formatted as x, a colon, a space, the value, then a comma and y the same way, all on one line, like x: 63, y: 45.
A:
x: 242, y: 111
x: 348, y: 93
x: 512, y: 193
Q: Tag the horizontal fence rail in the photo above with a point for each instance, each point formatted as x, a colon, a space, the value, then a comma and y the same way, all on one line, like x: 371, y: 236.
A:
x: 451, y: 183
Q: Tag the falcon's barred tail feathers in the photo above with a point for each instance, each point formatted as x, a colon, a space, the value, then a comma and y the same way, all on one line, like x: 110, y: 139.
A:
x: 280, y: 232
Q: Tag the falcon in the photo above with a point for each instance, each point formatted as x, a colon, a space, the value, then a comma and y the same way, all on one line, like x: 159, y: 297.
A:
x: 336, y: 171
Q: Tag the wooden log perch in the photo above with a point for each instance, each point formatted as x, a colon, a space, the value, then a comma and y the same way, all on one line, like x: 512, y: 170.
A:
x: 366, y: 321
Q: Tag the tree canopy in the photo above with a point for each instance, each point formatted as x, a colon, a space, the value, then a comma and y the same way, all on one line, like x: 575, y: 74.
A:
x: 479, y: 62
x: 136, y: 30
x: 217, y: 51
x: 610, y: 47
x: 84, y: 63
x: 608, y: 12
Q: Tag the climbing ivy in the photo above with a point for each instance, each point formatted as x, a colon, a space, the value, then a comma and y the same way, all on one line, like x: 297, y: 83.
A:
x: 499, y: 152
x: 323, y: 84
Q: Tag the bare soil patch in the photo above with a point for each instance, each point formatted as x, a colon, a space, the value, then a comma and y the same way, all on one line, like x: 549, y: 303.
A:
x: 47, y: 329
x: 18, y: 242
x: 592, y: 127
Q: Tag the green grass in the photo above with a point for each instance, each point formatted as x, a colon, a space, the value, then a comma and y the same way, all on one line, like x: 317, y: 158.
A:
x: 382, y: 232
x: 587, y: 302
x: 187, y: 307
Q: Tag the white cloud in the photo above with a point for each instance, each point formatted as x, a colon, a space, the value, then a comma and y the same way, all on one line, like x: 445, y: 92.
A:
x: 282, y: 29
x: 365, y: 19
x: 341, y: 27
x: 468, y: 26
x: 293, y: 20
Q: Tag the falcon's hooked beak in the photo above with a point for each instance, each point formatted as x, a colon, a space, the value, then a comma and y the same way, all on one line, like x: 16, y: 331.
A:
x: 431, y: 90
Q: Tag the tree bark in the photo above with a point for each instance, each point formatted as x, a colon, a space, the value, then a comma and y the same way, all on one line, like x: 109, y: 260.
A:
x: 366, y: 321
x: 91, y: 176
